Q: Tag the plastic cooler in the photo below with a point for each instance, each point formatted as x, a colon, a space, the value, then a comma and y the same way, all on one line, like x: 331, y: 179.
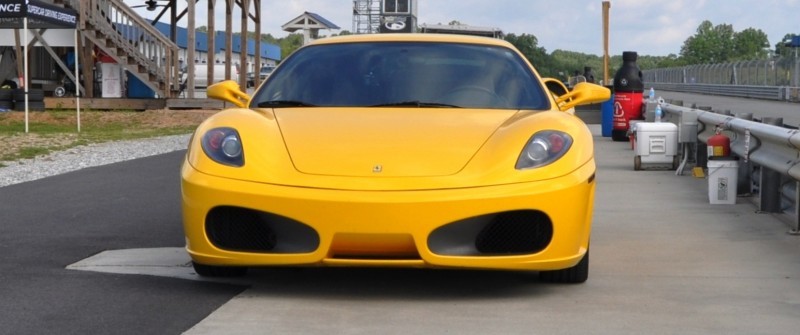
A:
x: 656, y: 144
x: 722, y: 181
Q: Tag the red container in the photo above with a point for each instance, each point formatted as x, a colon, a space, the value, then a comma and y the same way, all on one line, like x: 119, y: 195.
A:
x: 628, y: 88
x: 627, y: 107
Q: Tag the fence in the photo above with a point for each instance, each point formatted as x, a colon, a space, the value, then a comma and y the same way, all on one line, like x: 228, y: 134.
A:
x: 775, y: 79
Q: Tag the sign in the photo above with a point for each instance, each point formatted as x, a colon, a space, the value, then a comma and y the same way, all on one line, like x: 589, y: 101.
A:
x: 397, y: 24
x: 40, y: 15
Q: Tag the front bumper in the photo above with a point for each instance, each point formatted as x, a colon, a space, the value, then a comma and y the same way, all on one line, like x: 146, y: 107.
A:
x: 389, y: 228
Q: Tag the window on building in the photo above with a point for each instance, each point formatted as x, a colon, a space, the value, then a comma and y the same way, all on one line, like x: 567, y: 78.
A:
x: 396, y: 6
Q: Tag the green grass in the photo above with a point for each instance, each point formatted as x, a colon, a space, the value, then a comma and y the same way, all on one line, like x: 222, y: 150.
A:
x: 58, y: 130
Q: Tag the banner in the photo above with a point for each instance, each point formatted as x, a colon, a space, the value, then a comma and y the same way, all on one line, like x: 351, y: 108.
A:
x: 40, y: 15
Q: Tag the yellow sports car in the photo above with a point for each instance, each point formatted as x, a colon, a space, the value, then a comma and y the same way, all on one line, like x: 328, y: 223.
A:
x: 407, y: 150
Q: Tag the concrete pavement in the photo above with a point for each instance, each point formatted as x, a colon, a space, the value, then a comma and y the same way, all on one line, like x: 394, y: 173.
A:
x: 664, y: 261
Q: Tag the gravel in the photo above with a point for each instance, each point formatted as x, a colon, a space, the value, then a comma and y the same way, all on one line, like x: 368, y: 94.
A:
x: 87, y: 156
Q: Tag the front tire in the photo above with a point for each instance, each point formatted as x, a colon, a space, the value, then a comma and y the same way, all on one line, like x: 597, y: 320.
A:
x: 218, y: 271
x: 574, y: 275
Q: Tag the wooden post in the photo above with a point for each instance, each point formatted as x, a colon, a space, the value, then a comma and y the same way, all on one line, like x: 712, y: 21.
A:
x: 211, y: 35
x: 606, y: 8
x: 257, y: 19
x: 243, y: 46
x: 191, y: 45
x: 228, y: 37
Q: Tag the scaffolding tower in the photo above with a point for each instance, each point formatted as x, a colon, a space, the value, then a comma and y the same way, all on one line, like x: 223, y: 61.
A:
x: 366, y: 16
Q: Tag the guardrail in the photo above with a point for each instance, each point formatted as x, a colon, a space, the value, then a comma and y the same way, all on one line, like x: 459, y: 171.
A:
x: 782, y: 93
x: 768, y: 153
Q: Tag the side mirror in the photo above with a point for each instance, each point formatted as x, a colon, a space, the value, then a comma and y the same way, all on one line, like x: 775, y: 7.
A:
x: 583, y: 94
x: 228, y: 91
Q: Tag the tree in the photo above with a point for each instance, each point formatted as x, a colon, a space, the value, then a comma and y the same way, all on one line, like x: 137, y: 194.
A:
x: 528, y: 45
x: 750, y: 44
x: 711, y: 44
x: 290, y: 43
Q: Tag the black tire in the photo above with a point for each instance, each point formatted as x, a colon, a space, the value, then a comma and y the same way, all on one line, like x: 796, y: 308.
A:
x: 619, y: 136
x: 574, y: 275
x: 34, y: 95
x: 218, y: 271
x: 6, y: 94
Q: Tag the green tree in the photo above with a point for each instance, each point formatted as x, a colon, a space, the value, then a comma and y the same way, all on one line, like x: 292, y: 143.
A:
x: 750, y: 44
x: 289, y: 44
x: 528, y: 45
x: 711, y: 44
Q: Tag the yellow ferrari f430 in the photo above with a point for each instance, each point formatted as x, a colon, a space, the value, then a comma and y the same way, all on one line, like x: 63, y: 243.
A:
x: 395, y: 150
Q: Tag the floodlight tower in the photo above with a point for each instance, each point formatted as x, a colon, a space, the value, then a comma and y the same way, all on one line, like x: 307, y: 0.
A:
x: 384, y: 16
x: 366, y: 16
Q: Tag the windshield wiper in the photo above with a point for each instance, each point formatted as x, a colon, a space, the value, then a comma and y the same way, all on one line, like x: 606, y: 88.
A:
x: 284, y: 103
x: 415, y: 103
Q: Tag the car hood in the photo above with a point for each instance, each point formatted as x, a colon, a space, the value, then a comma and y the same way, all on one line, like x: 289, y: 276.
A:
x: 385, y: 142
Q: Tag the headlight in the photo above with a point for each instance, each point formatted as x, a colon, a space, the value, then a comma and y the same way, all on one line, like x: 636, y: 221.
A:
x: 544, y: 148
x: 223, y: 146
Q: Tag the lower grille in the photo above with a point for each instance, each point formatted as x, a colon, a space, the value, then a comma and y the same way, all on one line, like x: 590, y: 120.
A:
x: 242, y: 229
x: 500, y: 234
x: 518, y: 232
x: 234, y: 228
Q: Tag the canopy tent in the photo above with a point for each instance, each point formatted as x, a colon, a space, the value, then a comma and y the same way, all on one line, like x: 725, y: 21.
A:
x: 34, y: 14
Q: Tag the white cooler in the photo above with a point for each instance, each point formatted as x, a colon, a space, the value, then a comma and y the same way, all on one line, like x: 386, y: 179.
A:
x: 656, y: 145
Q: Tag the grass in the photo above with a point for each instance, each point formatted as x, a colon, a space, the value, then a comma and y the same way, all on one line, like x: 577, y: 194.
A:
x: 57, y: 129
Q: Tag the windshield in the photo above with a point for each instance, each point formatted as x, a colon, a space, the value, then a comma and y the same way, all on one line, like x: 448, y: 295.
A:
x: 403, y: 74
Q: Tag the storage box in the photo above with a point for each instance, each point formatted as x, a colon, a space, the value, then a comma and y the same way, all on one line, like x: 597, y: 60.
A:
x: 722, y: 181
x: 656, y: 144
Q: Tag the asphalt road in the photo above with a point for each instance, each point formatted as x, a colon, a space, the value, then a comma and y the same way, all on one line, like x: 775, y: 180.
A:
x: 664, y: 261
x: 48, y: 224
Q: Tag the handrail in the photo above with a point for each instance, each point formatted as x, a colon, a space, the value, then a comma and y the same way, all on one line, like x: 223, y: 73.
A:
x: 149, y: 55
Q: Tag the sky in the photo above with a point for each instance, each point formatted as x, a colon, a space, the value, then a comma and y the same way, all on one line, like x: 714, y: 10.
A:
x: 650, y: 27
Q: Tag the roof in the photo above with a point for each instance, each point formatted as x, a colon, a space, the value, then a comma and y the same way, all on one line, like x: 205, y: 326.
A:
x: 269, y: 51
x: 308, y: 20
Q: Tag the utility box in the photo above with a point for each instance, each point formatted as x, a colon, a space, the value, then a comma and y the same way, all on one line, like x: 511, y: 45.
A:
x: 656, y: 145
x: 722, y: 181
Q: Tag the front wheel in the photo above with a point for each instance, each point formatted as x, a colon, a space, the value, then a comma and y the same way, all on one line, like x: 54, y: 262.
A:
x: 574, y: 275
x: 218, y: 271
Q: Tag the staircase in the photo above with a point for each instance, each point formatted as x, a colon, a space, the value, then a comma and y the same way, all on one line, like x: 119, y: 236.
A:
x: 132, y: 42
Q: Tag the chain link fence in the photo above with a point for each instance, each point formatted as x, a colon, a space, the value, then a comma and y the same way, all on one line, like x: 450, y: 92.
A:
x: 780, y: 77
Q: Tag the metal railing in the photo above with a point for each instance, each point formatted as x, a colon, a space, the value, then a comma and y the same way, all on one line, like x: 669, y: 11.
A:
x: 768, y: 153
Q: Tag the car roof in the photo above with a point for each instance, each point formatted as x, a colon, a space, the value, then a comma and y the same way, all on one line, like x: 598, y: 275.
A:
x: 441, y: 38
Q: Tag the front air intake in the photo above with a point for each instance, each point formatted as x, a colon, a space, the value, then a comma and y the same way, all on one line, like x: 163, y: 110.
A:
x: 517, y: 232
x: 241, y: 229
